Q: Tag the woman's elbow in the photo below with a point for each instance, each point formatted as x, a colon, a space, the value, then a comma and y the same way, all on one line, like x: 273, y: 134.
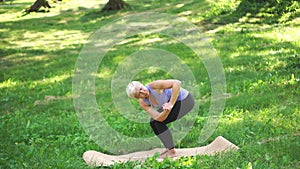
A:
x: 178, y: 82
x: 159, y: 119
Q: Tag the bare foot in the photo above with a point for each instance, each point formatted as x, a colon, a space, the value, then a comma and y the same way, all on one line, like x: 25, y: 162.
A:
x: 168, y: 153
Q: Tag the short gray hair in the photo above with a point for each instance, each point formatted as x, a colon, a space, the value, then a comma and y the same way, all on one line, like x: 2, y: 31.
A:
x: 131, y: 89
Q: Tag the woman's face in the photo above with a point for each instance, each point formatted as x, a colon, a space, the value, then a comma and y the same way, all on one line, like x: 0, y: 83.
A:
x: 142, y: 92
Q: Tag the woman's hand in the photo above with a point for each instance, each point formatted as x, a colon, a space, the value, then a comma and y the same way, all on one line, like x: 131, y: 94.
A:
x: 167, y: 84
x: 167, y: 106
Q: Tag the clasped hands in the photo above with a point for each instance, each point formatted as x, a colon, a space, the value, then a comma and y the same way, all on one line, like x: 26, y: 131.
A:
x: 167, y: 106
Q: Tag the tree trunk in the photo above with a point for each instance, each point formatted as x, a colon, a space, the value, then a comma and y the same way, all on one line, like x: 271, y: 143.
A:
x: 114, y: 5
x: 37, y: 5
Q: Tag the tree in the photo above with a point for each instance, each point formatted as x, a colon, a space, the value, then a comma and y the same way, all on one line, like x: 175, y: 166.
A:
x: 114, y: 5
x: 37, y: 5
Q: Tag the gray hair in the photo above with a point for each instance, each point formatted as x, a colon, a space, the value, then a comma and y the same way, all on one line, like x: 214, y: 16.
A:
x: 131, y: 89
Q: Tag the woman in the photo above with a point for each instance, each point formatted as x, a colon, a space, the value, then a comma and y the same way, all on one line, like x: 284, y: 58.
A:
x: 165, y: 101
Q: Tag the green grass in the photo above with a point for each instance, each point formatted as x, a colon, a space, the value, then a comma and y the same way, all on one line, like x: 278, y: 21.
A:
x: 259, y: 47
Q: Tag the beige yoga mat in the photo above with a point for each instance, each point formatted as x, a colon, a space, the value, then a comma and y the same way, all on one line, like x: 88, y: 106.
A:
x: 95, y: 158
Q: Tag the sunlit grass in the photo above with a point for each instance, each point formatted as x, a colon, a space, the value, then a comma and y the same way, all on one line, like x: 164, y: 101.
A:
x: 282, y: 34
x: 38, y: 53
x: 8, y: 83
x: 51, y: 39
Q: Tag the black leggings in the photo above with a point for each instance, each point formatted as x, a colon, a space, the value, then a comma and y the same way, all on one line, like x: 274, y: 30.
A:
x: 179, y: 109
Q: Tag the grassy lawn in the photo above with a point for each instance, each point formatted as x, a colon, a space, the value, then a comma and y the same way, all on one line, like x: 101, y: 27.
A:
x: 259, y: 47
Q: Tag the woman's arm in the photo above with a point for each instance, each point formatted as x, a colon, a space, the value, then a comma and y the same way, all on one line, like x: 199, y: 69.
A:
x: 167, y: 84
x: 153, y: 113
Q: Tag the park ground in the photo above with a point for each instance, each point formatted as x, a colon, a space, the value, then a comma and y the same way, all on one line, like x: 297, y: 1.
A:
x: 258, y: 44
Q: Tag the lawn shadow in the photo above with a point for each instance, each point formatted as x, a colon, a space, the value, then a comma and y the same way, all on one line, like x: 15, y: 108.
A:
x: 250, y: 11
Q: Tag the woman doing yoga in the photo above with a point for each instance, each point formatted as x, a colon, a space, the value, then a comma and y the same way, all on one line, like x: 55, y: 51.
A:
x: 165, y: 101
